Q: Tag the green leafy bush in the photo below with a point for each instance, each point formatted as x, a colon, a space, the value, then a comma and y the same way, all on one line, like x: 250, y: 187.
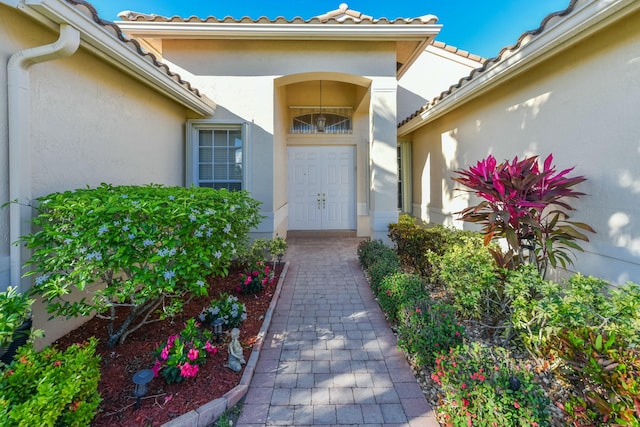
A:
x: 51, y: 388
x: 414, y: 243
x: 605, y: 373
x: 141, y: 248
x: 426, y: 329
x: 582, y: 302
x: 468, y: 271
x: 15, y: 308
x: 398, y: 289
x: 225, y: 307
x: 382, y: 268
x: 370, y: 251
x: 266, y: 250
x: 485, y: 387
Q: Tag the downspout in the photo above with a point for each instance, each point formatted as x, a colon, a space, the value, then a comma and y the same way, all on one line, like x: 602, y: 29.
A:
x: 19, y: 94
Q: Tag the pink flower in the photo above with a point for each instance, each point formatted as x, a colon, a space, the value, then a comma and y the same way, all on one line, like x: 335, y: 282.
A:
x: 210, y: 348
x: 516, y: 404
x: 164, y: 355
x: 187, y: 370
x: 246, y: 282
x: 156, y: 368
x: 464, y: 385
x: 193, y: 354
x: 255, y: 273
x: 57, y: 363
x: 171, y: 340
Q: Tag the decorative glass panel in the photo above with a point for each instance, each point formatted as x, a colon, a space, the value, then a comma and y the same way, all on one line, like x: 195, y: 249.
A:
x: 337, y: 120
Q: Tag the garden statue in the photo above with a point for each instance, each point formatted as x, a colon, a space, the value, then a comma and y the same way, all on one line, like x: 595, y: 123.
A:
x: 236, y: 358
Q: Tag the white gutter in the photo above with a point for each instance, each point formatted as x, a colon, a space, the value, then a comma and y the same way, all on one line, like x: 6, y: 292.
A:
x: 18, y: 95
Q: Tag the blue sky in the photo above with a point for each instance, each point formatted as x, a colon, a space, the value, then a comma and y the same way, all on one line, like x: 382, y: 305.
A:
x: 482, y: 27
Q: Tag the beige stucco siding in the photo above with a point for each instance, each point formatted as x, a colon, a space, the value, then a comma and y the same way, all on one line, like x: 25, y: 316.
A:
x: 257, y: 81
x: 582, y: 106
x: 89, y: 123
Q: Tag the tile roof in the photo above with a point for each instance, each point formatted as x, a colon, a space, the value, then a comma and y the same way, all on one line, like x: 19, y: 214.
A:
x: 489, y: 63
x: 132, y: 43
x: 459, y: 52
x: 342, y: 15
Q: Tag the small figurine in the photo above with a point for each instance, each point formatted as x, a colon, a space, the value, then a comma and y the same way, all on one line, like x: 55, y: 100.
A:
x: 236, y: 358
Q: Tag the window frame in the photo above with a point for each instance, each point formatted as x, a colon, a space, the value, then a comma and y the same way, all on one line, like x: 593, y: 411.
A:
x: 192, y: 156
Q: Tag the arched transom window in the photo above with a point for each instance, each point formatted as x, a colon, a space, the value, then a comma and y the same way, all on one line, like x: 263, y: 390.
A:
x: 325, y: 120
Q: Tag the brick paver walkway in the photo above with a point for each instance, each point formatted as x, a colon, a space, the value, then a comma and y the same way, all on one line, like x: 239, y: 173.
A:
x: 330, y: 358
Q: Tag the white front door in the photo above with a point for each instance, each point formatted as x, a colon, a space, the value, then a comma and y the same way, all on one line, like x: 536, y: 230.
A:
x: 322, y: 188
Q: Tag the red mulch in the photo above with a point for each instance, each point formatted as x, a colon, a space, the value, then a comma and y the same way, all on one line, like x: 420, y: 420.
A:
x: 163, y: 402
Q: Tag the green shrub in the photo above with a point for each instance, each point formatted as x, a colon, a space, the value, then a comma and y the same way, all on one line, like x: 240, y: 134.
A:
x: 382, y: 268
x: 468, y: 271
x: 584, y: 302
x: 370, y: 251
x: 265, y: 250
x: 398, y: 289
x: 411, y: 243
x: 226, y: 307
x: 51, y: 388
x: 426, y: 329
x: 486, y: 387
x: 149, y: 247
x: 605, y: 374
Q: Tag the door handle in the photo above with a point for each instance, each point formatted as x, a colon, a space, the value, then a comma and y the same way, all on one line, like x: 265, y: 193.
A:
x: 324, y: 201
x: 318, y: 200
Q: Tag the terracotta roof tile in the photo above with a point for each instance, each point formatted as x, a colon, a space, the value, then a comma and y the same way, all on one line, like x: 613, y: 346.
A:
x: 459, y: 52
x: 504, y: 54
x: 342, y: 15
x: 88, y: 9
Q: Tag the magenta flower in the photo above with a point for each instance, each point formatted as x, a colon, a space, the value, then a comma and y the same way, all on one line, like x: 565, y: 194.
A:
x: 210, y: 348
x: 156, y: 368
x: 193, y: 354
x: 164, y: 355
x: 187, y: 370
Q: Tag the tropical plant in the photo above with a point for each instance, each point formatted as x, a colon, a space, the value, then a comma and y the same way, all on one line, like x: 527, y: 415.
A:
x: 51, y: 387
x: 528, y: 206
x: 141, y: 249
x: 182, y: 355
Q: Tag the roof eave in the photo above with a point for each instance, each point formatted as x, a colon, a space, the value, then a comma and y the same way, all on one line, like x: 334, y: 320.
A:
x: 107, y: 47
x: 270, y: 31
x: 584, y: 22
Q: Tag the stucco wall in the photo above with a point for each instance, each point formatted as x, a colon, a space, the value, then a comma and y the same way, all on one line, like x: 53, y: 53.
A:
x: 89, y: 124
x: 240, y: 76
x: 433, y: 72
x: 582, y: 106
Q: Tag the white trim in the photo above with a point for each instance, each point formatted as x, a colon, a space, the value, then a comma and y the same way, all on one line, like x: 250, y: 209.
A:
x: 288, y: 31
x: 107, y: 47
x: 585, y: 21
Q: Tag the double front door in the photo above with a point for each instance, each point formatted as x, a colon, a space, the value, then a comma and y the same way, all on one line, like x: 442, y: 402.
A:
x: 322, y: 189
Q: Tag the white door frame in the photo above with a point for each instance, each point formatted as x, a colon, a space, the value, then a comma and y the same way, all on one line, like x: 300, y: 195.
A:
x: 322, y: 187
